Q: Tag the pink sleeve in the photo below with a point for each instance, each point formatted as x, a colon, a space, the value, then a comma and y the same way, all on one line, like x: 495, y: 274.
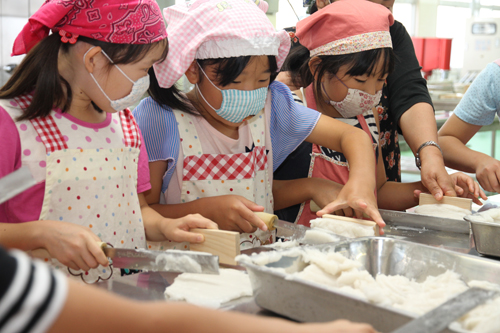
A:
x: 143, y: 177
x: 10, y: 154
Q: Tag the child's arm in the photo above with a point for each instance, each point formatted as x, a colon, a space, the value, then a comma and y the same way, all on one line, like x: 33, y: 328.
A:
x: 291, y: 192
x: 73, y: 245
x: 230, y: 212
x: 453, y: 136
x: 287, y: 193
x: 401, y: 196
x: 89, y: 309
x: 357, y: 147
x: 159, y: 228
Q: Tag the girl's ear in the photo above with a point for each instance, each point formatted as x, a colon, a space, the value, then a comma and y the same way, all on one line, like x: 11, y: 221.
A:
x: 89, y: 58
x: 192, y: 73
x: 313, y: 66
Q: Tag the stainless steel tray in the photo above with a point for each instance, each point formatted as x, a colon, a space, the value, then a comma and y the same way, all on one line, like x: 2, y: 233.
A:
x: 310, y: 302
x: 397, y: 218
x: 486, y: 237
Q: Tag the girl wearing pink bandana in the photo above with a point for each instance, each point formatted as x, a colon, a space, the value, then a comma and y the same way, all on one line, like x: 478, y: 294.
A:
x: 344, y: 58
x: 213, y: 150
x: 64, y: 114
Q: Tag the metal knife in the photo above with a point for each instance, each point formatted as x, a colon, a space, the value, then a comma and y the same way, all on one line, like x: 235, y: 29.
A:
x: 15, y: 183
x: 164, y: 261
x: 394, y: 218
x: 290, y: 230
x: 285, y: 229
x: 159, y: 261
x: 439, y: 318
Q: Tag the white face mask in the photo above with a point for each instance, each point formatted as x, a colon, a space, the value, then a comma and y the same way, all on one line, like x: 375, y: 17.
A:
x: 356, y: 101
x: 139, y: 87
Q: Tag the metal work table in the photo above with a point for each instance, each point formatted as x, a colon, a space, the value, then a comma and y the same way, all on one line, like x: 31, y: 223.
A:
x: 151, y: 286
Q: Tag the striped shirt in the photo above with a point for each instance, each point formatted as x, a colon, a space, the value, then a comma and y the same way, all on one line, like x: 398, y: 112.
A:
x: 289, y: 125
x: 31, y: 294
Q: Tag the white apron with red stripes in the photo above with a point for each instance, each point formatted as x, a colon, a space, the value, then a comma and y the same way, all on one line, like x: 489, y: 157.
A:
x: 96, y: 188
x: 244, y: 174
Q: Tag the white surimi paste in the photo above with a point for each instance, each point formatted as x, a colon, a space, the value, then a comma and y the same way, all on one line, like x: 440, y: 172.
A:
x: 443, y: 210
x: 343, y: 228
x: 317, y: 236
x: 210, y: 290
x: 490, y: 215
x: 177, y: 263
x: 338, y: 273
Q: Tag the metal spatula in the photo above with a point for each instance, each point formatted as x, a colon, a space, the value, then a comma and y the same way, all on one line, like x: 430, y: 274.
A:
x: 439, y: 318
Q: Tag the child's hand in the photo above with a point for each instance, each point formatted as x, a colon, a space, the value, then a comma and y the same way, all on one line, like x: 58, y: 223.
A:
x: 177, y: 230
x: 325, y: 191
x: 73, y: 245
x: 360, y: 198
x: 488, y: 174
x: 233, y: 213
x: 466, y: 187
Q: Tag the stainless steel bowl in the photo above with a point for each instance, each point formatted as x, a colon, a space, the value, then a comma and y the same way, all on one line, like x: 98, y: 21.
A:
x: 486, y: 237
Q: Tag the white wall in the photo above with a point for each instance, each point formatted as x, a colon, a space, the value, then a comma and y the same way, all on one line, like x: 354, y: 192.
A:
x: 13, y: 16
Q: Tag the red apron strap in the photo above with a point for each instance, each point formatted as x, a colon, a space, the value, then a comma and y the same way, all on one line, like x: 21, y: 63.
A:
x: 49, y: 133
x: 364, y: 125
x: 46, y: 127
x: 310, y: 99
x: 130, y: 129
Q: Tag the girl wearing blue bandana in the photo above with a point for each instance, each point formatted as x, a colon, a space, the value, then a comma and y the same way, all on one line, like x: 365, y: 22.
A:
x: 213, y: 150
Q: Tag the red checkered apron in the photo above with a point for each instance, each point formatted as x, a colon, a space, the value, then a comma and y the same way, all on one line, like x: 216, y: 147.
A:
x: 95, y: 188
x: 244, y: 174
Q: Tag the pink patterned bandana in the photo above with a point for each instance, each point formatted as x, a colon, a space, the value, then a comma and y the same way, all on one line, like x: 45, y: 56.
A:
x: 210, y: 29
x: 112, y: 21
x: 346, y: 27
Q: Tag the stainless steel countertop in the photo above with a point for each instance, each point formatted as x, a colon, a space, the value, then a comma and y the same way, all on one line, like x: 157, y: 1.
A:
x: 151, y: 286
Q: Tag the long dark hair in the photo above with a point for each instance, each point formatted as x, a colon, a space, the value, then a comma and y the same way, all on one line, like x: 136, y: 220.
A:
x: 227, y: 70
x: 360, y: 63
x: 38, y: 72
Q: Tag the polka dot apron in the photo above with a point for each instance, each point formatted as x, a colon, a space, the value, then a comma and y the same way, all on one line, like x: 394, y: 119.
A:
x: 245, y: 174
x: 95, y: 188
